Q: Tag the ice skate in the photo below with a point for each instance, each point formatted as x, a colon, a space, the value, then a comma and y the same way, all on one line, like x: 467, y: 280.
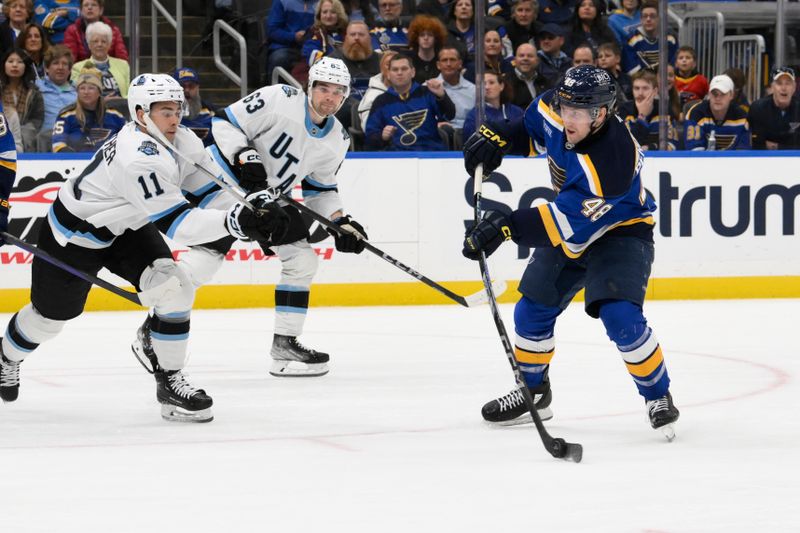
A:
x: 292, y: 359
x: 180, y: 401
x: 663, y: 414
x: 9, y: 377
x: 142, y: 347
x: 510, y: 410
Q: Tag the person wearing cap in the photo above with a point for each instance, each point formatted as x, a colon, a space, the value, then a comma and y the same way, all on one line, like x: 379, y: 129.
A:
x: 115, y: 73
x: 775, y: 119
x: 641, y: 49
x: 716, y: 124
x: 197, y: 113
x: 86, y: 124
x: 553, y: 62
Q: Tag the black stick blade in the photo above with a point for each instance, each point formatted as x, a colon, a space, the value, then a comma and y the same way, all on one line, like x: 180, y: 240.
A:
x: 561, y: 449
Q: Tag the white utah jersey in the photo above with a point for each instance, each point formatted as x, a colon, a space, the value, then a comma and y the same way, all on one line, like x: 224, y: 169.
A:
x: 130, y: 182
x: 275, y: 121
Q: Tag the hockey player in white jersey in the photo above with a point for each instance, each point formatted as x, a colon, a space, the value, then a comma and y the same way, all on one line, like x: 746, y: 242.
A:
x: 278, y: 137
x: 110, y: 216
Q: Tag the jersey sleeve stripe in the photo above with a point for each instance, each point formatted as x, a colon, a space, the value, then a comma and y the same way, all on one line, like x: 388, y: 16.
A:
x: 591, y: 174
x: 549, y: 224
x: 10, y: 165
x: 166, y: 212
x: 550, y: 116
x: 562, y: 221
x: 319, y: 185
x: 173, y: 228
x: 232, y: 118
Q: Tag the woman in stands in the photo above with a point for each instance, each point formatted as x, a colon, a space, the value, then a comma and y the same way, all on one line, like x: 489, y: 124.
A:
x: 86, y: 124
x: 34, y: 42
x: 115, y: 73
x: 75, y: 35
x: 499, y: 113
x: 18, y: 82
x: 426, y: 36
x: 17, y: 14
x: 588, y: 26
x: 327, y: 33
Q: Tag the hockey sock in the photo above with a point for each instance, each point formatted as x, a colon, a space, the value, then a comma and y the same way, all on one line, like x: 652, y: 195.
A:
x: 291, y: 307
x: 534, y: 344
x: 26, y: 331
x: 170, y: 337
x: 627, y: 327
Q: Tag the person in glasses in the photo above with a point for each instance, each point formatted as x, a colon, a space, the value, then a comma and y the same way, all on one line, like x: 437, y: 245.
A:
x: 640, y: 50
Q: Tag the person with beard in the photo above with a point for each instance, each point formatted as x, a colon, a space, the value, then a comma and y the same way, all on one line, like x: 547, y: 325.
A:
x: 775, y: 119
x: 523, y: 26
x: 525, y: 81
x: 362, y: 63
x: 197, y: 113
x: 406, y: 117
x: 641, y: 114
x: 389, y: 34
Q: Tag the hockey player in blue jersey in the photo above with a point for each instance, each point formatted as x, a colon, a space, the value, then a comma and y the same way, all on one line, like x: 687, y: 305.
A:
x: 597, y: 234
x: 8, y: 170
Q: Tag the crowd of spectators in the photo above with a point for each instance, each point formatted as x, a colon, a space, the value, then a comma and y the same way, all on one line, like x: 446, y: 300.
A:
x: 528, y: 45
x: 65, y: 72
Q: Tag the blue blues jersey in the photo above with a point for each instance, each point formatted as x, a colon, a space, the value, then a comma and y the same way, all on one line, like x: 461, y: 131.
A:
x: 8, y: 162
x: 641, y: 52
x: 70, y: 135
x: 730, y: 133
x: 389, y: 38
x: 598, y: 184
x: 48, y: 15
x: 201, y: 123
x: 646, y: 129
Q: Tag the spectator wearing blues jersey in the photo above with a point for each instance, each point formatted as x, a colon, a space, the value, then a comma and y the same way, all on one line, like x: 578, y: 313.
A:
x: 406, y: 116
x: 55, y: 16
x: 625, y: 20
x: 197, y: 113
x: 641, y: 49
x: 641, y: 113
x: 86, y: 124
x: 327, y: 33
x: 389, y: 32
x: 716, y: 124
x: 499, y: 112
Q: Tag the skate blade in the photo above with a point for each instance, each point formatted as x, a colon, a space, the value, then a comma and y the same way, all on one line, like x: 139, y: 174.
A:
x: 526, y: 418
x: 138, y: 351
x: 668, y: 431
x: 296, y: 369
x: 173, y: 413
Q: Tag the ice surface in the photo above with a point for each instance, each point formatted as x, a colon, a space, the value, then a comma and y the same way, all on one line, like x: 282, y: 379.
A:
x: 392, y: 439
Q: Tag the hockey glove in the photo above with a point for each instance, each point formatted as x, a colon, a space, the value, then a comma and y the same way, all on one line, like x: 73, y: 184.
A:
x: 487, y: 147
x: 3, y: 218
x: 252, y: 174
x: 487, y: 236
x: 269, y: 222
x: 351, y: 240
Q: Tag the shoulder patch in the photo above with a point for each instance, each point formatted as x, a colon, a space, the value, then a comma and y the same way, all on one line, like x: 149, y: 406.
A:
x: 148, y: 148
x: 289, y: 91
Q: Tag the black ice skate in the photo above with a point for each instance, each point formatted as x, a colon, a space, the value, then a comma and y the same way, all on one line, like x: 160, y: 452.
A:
x: 9, y: 377
x: 510, y: 410
x: 292, y: 359
x: 663, y: 414
x: 142, y: 347
x: 180, y: 401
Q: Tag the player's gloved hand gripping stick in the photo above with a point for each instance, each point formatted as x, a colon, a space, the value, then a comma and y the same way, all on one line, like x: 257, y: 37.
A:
x: 557, y: 447
x: 341, y: 229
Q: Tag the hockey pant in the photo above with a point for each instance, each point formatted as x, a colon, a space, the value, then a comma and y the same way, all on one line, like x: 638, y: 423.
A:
x: 625, y: 325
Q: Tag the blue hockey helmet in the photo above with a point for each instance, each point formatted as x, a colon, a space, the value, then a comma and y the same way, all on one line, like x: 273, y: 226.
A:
x: 587, y: 87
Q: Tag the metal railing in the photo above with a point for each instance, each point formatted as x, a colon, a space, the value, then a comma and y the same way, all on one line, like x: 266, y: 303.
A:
x: 279, y: 75
x: 704, y: 30
x: 176, y: 23
x: 241, y: 78
x: 747, y: 53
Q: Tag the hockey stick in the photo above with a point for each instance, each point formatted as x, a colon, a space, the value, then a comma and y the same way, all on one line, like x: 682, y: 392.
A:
x: 146, y: 298
x: 558, y: 447
x: 471, y: 300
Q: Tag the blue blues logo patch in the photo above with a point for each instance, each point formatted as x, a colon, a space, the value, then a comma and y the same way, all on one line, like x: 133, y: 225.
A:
x: 290, y: 91
x: 149, y: 148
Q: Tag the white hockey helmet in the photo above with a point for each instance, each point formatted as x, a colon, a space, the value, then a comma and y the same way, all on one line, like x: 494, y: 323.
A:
x: 147, y: 89
x: 331, y: 70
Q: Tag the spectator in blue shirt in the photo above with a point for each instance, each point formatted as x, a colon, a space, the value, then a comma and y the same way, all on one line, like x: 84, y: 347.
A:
x: 624, y: 21
x: 286, y: 28
x: 56, y: 88
x: 499, y: 113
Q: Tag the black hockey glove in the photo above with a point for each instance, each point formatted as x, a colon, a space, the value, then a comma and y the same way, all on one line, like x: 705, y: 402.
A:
x: 487, y: 235
x: 351, y: 241
x: 3, y: 218
x: 268, y: 223
x: 487, y: 147
x: 252, y: 174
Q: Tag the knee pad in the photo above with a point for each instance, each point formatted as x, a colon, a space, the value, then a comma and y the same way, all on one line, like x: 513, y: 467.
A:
x: 624, y: 322
x: 177, y: 300
x: 534, y: 320
x: 201, y: 264
x: 298, y: 264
